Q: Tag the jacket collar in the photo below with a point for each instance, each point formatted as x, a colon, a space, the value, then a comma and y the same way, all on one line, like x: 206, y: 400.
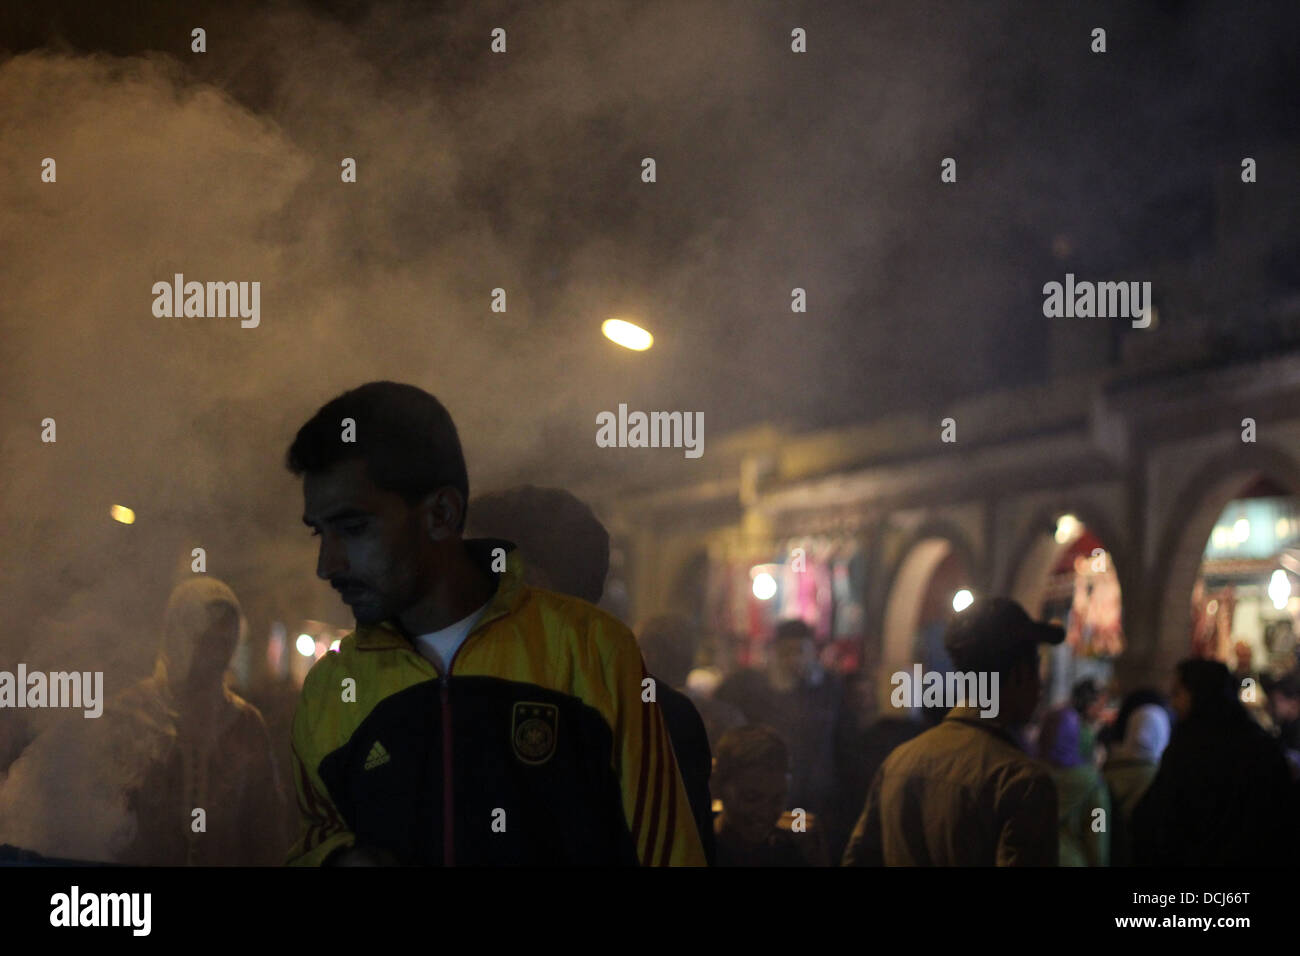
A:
x: 971, y: 715
x: 509, y: 594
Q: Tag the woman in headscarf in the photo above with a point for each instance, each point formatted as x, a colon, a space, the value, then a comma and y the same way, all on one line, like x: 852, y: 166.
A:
x: 1084, y: 833
x: 1130, y: 768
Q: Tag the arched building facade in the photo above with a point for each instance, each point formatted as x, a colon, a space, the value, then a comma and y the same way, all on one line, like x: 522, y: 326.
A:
x: 1092, y: 498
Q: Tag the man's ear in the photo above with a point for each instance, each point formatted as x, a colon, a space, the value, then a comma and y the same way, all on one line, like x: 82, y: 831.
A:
x: 441, y: 513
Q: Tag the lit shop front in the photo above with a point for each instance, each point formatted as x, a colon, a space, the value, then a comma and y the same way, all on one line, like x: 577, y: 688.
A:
x: 1245, y: 604
x: 817, y: 580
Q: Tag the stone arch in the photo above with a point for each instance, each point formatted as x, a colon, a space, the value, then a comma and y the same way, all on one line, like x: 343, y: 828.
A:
x: 1182, y: 542
x: 1037, y: 551
x: 926, y: 548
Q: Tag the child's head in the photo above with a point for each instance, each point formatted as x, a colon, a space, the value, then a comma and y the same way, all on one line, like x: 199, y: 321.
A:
x: 752, y: 777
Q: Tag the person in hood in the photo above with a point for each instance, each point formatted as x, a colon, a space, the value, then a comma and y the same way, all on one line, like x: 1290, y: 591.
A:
x: 179, y: 770
x: 1083, y: 803
x: 220, y: 759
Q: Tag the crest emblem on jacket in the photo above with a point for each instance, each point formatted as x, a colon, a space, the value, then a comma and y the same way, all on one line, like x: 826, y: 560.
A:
x: 533, y: 731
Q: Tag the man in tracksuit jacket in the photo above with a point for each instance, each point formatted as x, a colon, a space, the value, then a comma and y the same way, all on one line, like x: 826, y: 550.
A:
x: 469, y: 719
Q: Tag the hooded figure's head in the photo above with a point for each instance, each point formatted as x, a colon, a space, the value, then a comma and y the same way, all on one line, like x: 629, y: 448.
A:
x: 201, y: 628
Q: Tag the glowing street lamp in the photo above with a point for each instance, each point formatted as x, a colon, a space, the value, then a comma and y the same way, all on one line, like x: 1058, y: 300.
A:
x: 627, y: 334
x: 962, y: 600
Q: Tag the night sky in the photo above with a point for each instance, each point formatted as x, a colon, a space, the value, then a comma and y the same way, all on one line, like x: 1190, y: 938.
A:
x: 522, y: 171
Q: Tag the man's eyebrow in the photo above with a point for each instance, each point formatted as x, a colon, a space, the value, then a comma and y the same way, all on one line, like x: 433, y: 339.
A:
x: 341, y: 515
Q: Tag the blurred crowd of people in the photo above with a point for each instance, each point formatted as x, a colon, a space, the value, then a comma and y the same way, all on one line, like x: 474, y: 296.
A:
x: 787, y: 764
x: 777, y: 761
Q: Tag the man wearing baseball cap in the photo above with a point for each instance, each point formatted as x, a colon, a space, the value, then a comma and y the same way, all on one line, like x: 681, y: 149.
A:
x: 963, y: 793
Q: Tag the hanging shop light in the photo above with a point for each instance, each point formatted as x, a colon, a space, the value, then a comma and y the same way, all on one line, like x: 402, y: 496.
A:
x: 1279, y: 589
x: 764, y: 586
x: 1067, y: 529
x: 1241, y: 530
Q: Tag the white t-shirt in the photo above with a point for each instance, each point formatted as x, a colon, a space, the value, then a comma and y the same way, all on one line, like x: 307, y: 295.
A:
x: 440, y: 646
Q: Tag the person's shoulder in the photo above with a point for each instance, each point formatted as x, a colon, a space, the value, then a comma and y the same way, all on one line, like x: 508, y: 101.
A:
x: 321, y: 685
x: 998, y: 756
x: 328, y: 663
x: 911, y: 755
x: 926, y: 740
x: 572, y: 619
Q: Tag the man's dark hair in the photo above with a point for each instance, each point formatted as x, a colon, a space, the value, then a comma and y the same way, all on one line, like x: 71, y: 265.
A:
x: 1084, y: 694
x: 405, y: 436
x: 753, y: 747
x: 555, y: 531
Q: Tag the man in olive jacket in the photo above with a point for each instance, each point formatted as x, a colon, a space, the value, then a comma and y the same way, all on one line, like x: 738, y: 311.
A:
x: 964, y: 793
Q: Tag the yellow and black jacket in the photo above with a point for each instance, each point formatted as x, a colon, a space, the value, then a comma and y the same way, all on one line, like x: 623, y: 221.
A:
x: 534, y: 748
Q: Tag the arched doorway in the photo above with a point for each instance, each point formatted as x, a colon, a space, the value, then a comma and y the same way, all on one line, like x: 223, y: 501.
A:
x: 932, y: 573
x: 1233, y: 527
x: 1246, y: 598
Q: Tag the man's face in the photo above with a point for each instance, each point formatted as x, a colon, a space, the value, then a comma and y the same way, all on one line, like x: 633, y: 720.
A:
x: 753, y: 801
x: 370, y: 541
x: 790, y: 660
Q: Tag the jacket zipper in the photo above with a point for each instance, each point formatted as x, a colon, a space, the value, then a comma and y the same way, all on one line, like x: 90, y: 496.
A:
x: 448, y: 791
x: 448, y: 810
